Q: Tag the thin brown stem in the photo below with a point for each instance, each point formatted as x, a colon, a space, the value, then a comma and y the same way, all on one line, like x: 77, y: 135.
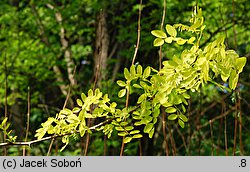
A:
x: 162, y: 23
x: 216, y: 118
x: 164, y: 132
x: 28, y: 121
x: 172, y: 141
x: 5, y: 99
x: 235, y: 123
x: 225, y: 134
x: 189, y: 128
x: 219, y: 136
x: 127, y: 103
x: 160, y: 61
x: 138, y: 33
x: 90, y: 121
x: 122, y: 146
x: 240, y: 125
x: 133, y: 61
x: 211, y: 132
x: 140, y: 148
x: 105, y: 146
x: 182, y: 136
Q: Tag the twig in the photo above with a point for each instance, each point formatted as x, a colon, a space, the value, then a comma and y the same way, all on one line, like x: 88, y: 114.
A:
x: 240, y: 125
x: 164, y: 131
x: 28, y: 121
x: 216, y: 118
x: 211, y: 132
x: 97, y: 72
x: 140, y: 148
x: 235, y: 123
x: 29, y: 143
x: 162, y: 23
x: 138, y: 33
x: 105, y: 146
x: 160, y: 61
x: 225, y: 133
x: 172, y: 140
x: 133, y: 61
x: 182, y: 136
x: 5, y: 98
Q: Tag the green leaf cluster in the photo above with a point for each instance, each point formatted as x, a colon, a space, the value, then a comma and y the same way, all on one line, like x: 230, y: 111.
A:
x: 4, y: 126
x: 165, y: 89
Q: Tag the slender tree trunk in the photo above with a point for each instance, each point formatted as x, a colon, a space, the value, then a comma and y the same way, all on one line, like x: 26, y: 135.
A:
x: 101, y: 47
x: 100, y: 59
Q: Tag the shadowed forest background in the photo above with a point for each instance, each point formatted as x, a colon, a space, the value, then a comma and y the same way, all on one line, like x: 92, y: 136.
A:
x: 49, y: 47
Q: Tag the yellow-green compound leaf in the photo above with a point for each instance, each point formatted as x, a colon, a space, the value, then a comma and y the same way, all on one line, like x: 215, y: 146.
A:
x: 106, y: 98
x: 88, y: 115
x: 158, y: 42
x: 121, y: 83
x: 172, y: 117
x: 171, y: 30
x: 122, y: 134
x: 127, y: 139
x: 66, y: 111
x: 151, y: 133
x: 139, y: 69
x: 142, y: 98
x: 90, y: 92
x: 135, y: 132
x: 82, y: 130
x: 127, y: 74
x: 132, y: 70
x: 147, y: 72
x: 119, y: 128
x: 183, y: 118
x: 122, y: 93
x: 159, y: 33
x: 76, y: 109
x: 224, y: 77
x: 168, y: 40
x: 79, y: 102
x: 137, y: 86
x: 4, y: 121
x: 233, y: 80
x: 148, y: 127
x: 186, y: 96
x: 181, y: 41
x: 170, y: 110
x: 181, y: 123
x: 191, y: 40
x: 137, y: 136
x: 83, y: 97
x: 123, y: 123
x: 200, y: 61
x: 128, y: 128
x: 240, y: 63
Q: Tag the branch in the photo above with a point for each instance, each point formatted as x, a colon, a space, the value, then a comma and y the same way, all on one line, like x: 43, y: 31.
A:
x: 29, y: 143
x: 138, y: 33
x: 216, y: 118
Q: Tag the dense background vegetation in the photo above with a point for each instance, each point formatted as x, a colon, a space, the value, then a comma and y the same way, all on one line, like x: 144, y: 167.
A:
x: 47, y: 46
